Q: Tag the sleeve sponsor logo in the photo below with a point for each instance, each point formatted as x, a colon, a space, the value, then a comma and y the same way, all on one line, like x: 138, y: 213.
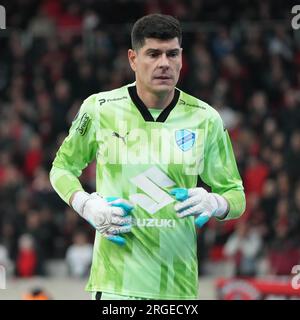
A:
x: 83, y: 124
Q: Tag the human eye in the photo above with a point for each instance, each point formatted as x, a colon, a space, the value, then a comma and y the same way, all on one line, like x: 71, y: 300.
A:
x: 153, y: 54
x: 173, y: 54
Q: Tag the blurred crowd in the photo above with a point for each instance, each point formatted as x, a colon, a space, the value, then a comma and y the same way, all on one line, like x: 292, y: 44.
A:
x: 243, y: 59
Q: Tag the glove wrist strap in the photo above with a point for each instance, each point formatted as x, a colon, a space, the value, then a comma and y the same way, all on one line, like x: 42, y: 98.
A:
x: 80, y: 198
x: 223, y: 206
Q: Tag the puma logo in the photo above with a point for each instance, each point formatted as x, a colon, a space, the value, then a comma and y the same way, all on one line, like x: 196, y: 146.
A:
x: 115, y: 134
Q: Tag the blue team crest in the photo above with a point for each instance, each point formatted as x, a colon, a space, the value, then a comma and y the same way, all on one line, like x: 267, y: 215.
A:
x: 185, y: 139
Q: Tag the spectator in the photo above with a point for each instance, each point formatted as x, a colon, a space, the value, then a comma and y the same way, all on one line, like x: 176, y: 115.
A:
x: 79, y: 255
x: 255, y: 176
x: 26, y: 264
x: 33, y: 156
x: 244, y: 246
x: 293, y: 158
x: 4, y: 259
x: 282, y: 253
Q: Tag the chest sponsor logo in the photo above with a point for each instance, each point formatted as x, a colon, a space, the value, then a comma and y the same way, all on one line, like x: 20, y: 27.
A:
x: 151, y: 183
x: 155, y: 223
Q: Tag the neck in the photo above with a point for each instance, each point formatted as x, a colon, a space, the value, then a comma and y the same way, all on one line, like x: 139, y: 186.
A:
x: 155, y: 100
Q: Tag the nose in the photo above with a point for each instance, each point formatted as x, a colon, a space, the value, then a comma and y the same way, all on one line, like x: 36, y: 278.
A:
x: 164, y: 62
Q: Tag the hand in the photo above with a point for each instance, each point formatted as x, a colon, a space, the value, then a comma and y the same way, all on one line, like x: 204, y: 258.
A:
x: 108, y: 216
x: 199, y: 202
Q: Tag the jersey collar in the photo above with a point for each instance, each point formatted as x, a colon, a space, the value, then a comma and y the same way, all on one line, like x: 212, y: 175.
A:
x: 144, y: 110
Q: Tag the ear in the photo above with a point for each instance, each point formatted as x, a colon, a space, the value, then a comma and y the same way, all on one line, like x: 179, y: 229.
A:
x: 181, y: 58
x: 132, y: 55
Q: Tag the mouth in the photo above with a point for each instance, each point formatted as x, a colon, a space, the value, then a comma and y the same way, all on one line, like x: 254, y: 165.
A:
x: 163, y: 78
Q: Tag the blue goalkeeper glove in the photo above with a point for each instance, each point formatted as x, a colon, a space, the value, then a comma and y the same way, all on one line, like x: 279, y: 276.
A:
x: 108, y: 216
x: 200, y: 203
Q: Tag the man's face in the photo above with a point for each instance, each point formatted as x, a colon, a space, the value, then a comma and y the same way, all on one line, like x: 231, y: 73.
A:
x: 157, y: 64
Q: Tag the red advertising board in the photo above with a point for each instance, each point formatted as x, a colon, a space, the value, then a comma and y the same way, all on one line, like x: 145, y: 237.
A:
x: 256, y: 288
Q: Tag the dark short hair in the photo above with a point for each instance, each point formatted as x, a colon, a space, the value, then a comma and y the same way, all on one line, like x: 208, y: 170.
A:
x: 158, y: 26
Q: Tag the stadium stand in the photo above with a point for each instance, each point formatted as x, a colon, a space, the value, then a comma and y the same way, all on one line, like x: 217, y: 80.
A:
x: 242, y: 58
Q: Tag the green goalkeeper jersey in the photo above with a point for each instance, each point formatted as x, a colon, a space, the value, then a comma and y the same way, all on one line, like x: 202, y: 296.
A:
x: 142, y: 159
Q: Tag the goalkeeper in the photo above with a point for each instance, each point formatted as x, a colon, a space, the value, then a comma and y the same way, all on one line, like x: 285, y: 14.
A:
x: 150, y: 141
